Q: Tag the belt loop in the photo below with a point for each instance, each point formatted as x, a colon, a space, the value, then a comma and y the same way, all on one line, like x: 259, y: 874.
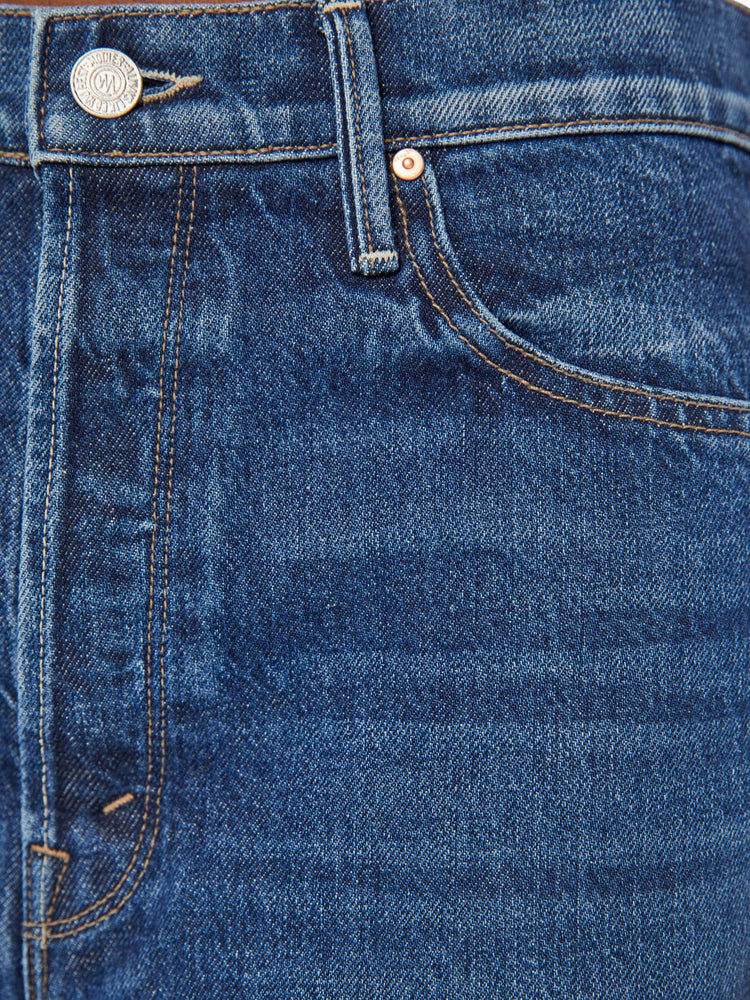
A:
x: 359, y: 127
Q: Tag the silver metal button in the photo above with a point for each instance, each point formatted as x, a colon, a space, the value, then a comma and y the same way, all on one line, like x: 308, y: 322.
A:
x: 408, y: 164
x: 106, y: 83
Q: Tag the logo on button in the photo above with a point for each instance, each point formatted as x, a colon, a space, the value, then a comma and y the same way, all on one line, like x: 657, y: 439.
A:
x: 106, y: 83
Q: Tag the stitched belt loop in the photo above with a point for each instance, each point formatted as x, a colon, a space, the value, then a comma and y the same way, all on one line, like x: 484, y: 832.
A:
x: 359, y: 126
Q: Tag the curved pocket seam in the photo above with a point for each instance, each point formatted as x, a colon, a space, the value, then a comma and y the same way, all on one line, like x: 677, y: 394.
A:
x: 601, y: 410
x: 601, y: 383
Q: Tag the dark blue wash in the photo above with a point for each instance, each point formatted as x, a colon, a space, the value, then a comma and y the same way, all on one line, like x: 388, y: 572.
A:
x: 374, y: 613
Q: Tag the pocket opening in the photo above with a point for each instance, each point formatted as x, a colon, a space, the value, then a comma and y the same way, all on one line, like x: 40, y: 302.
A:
x: 451, y: 295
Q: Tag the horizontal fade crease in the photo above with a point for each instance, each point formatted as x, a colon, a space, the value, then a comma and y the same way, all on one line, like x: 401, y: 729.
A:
x: 489, y: 877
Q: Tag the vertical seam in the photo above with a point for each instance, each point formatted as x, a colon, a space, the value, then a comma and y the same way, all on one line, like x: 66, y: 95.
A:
x: 47, y: 36
x: 50, y: 910
x: 58, y: 885
x: 139, y: 876
x: 149, y: 646
x: 167, y: 520
x: 152, y: 555
x: 35, y: 851
x: 30, y: 942
x: 45, y: 529
x: 358, y: 130
x: 50, y: 464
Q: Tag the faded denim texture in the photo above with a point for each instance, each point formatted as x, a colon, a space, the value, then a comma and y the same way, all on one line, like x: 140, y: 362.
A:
x: 374, y: 554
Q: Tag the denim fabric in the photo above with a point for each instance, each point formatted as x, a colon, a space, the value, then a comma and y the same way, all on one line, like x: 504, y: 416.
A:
x: 377, y: 629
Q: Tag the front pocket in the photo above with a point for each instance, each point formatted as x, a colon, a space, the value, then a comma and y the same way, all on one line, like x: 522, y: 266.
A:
x: 495, y: 348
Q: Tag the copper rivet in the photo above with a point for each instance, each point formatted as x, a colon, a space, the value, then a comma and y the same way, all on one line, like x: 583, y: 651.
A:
x: 408, y: 164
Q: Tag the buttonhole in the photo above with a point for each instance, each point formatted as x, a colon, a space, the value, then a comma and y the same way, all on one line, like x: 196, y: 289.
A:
x: 158, y: 85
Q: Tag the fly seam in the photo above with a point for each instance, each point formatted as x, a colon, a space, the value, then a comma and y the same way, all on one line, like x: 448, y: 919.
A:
x: 167, y: 517
x: 45, y: 529
x: 531, y: 385
x: 58, y: 886
x: 29, y: 949
x: 358, y: 130
x: 36, y: 851
x: 152, y: 563
x: 50, y: 908
x: 139, y: 875
x: 634, y: 390
x: 50, y: 464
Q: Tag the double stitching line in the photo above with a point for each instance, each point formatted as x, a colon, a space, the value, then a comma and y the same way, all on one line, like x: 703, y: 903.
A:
x: 601, y: 410
x: 682, y: 126
x: 358, y: 129
x: 45, y: 81
x: 601, y: 382
x: 628, y: 123
x: 151, y: 567
x: 254, y: 8
x: 37, y: 851
x: 65, y: 858
x: 191, y: 152
x: 537, y: 388
x: 30, y: 967
x: 48, y: 491
x: 165, y: 591
x: 43, y: 582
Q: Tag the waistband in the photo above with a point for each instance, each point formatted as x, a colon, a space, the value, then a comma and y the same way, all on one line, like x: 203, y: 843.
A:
x: 252, y: 81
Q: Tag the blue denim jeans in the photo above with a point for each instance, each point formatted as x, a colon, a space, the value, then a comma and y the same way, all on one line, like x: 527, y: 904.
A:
x: 375, y: 550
